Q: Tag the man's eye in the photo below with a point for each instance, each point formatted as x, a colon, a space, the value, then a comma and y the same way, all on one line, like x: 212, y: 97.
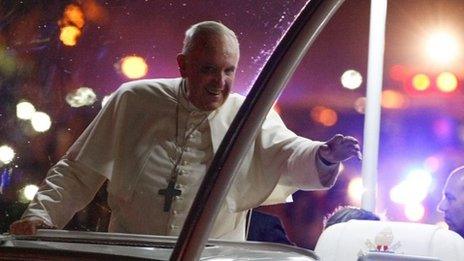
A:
x: 230, y: 71
x: 208, y: 69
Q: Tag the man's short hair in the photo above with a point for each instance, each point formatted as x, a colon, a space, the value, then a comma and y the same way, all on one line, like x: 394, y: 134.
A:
x: 206, y: 28
x: 346, y: 213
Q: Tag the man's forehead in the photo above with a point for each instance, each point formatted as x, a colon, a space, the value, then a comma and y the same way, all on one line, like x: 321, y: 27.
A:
x: 211, y: 42
x: 456, y: 182
x: 458, y: 175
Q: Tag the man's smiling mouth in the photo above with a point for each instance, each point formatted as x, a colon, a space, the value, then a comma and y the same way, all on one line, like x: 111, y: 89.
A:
x: 213, y: 91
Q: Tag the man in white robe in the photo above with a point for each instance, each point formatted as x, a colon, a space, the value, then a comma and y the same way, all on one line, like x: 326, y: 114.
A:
x: 155, y: 139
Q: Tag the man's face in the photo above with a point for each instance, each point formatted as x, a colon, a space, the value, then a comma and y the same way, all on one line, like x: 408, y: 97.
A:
x: 210, y: 71
x: 452, y: 203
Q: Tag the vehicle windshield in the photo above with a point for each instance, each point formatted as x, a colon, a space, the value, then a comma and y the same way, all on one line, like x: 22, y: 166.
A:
x: 60, y: 60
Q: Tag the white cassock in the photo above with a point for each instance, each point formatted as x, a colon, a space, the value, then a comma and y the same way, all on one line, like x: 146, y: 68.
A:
x: 132, y: 142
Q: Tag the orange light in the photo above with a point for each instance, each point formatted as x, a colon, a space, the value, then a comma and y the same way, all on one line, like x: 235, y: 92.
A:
x: 94, y: 11
x: 69, y: 35
x: 134, y: 67
x: 71, y: 24
x: 324, y: 116
x: 447, y: 82
x: 421, y: 82
x: 73, y: 14
x: 328, y: 117
x: 316, y: 113
x: 392, y: 99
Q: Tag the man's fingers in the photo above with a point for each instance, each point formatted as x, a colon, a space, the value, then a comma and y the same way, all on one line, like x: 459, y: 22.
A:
x: 28, y: 227
x: 21, y: 228
x: 341, y: 147
x: 335, y: 139
x: 350, y: 139
x: 338, y: 138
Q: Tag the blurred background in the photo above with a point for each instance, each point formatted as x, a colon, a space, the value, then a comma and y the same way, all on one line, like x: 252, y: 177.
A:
x: 60, y: 59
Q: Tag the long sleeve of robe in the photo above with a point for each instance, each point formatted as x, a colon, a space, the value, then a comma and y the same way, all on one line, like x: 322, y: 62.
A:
x: 138, y: 118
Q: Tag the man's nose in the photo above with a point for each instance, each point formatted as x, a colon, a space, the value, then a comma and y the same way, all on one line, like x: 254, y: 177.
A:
x: 220, y: 79
x: 442, y: 206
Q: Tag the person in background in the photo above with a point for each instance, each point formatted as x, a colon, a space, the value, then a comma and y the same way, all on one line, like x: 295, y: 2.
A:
x: 346, y: 213
x: 452, y: 203
x: 267, y: 228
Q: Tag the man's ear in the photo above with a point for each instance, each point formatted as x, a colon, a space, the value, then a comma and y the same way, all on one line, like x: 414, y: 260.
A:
x: 181, y: 63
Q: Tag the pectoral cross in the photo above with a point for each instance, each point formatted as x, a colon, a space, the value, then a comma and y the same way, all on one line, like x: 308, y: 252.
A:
x: 169, y: 192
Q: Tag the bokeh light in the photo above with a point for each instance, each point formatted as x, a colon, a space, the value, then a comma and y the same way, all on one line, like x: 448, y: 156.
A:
x: 360, y: 105
x: 41, y: 122
x: 25, y: 110
x: 83, y: 96
x: 420, y: 82
x: 432, y: 163
x: 73, y: 14
x: 414, y: 189
x: 398, y: 193
x: 323, y: 115
x: 6, y: 154
x: 328, y: 117
x: 351, y: 79
x: 392, y: 99
x: 69, y: 35
x: 398, y: 72
x: 355, y: 190
x: 442, y: 47
x: 29, y: 191
x: 447, y: 82
x: 414, y: 212
x: 94, y: 11
x: 8, y: 62
x: 134, y: 67
x: 443, y: 128
x: 420, y: 177
x: 71, y: 24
